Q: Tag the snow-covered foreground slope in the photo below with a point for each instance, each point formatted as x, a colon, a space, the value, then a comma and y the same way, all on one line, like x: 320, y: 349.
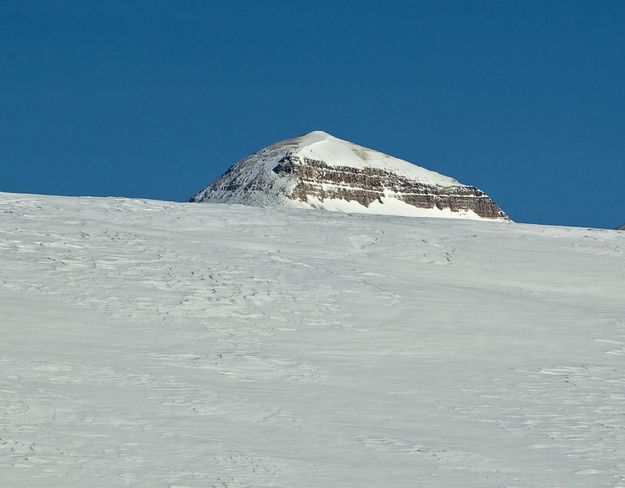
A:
x: 154, y: 344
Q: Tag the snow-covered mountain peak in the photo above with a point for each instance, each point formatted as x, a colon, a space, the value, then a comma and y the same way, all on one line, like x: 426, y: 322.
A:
x: 316, y: 135
x: 318, y: 170
x: 321, y: 146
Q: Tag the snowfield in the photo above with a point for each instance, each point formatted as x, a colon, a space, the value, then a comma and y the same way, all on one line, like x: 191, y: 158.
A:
x: 156, y: 344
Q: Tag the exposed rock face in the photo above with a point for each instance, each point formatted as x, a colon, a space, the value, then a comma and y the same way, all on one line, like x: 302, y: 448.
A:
x: 321, y: 171
x: 316, y: 178
x: 622, y: 227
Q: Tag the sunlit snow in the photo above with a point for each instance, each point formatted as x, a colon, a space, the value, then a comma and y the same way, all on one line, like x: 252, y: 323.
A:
x: 155, y: 344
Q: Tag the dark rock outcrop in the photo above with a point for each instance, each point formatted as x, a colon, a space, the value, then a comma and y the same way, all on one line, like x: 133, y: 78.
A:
x: 316, y: 178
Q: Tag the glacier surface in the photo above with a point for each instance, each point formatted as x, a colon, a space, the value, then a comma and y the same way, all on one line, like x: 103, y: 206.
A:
x: 149, y: 343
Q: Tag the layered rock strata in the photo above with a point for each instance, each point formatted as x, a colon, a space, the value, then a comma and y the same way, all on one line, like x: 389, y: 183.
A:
x: 368, y: 185
x: 320, y: 171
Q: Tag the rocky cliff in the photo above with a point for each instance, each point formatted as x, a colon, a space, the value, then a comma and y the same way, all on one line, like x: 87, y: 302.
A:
x: 320, y: 171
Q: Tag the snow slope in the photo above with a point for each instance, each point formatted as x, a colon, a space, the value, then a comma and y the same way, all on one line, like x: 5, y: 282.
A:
x: 324, y: 147
x: 155, y: 344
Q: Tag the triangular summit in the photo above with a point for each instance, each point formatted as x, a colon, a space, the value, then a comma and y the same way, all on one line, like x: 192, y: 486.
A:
x: 318, y: 170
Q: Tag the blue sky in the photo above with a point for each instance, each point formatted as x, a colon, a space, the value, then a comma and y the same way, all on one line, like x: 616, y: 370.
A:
x: 154, y: 99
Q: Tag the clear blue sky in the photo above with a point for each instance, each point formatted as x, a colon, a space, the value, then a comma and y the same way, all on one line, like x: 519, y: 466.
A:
x: 156, y: 98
